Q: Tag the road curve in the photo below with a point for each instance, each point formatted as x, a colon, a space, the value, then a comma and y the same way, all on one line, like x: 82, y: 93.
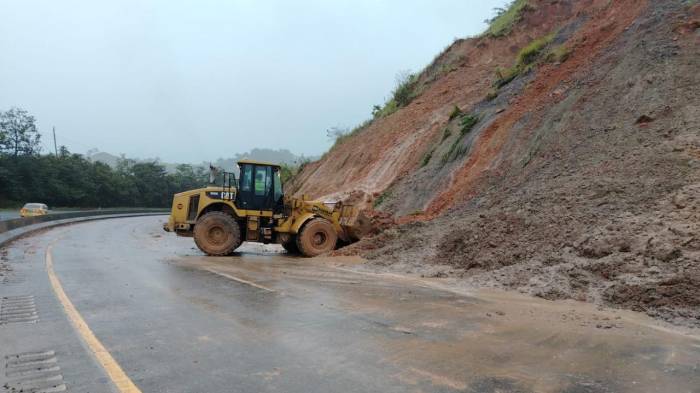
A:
x: 176, y: 321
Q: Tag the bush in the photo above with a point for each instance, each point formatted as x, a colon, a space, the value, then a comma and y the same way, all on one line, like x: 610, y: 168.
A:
x: 405, y: 90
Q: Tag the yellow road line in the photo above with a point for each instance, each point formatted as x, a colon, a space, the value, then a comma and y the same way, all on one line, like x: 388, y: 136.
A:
x: 115, y: 372
x: 242, y: 281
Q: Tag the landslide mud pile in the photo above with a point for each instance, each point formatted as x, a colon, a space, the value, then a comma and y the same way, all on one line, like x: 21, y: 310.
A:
x: 571, y: 168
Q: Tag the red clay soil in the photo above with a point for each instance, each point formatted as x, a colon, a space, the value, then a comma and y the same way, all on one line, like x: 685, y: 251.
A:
x: 391, y: 147
x: 595, y: 35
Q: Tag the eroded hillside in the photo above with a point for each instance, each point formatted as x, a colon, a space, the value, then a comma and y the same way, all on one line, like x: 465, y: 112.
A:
x: 559, y: 157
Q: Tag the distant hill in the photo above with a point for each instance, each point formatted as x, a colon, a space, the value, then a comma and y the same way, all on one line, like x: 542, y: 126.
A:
x: 281, y: 156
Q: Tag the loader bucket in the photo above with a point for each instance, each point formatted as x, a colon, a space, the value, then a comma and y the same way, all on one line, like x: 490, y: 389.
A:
x: 355, y: 223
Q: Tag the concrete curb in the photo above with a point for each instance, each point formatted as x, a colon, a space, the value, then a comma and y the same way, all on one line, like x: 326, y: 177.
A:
x: 9, y: 235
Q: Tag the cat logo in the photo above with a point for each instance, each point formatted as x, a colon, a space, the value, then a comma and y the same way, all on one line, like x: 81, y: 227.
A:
x: 221, y: 195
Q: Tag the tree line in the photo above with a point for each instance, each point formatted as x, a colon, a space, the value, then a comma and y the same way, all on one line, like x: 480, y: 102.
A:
x: 67, y: 179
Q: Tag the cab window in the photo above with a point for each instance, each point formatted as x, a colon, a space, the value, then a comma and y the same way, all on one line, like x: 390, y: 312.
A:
x: 246, y: 177
x: 263, y: 180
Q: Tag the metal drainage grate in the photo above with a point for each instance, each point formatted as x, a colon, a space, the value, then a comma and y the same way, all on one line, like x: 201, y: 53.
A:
x: 12, y: 278
x: 33, y: 372
x: 18, y: 309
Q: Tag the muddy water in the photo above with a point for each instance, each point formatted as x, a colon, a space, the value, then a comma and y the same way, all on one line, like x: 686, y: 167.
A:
x: 435, y: 338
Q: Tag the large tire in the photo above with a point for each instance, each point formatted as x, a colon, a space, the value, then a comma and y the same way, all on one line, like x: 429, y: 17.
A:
x: 217, y: 233
x: 317, y: 237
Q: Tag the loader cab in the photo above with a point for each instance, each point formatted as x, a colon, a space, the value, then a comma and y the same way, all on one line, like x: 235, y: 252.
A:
x: 259, y: 186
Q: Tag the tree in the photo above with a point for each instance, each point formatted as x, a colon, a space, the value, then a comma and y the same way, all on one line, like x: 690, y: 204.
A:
x: 18, y: 133
x: 151, y: 184
x: 187, y: 177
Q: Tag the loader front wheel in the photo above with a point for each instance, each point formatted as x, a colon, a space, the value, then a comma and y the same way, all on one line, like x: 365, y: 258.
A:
x: 317, y: 237
x: 217, y: 233
x: 291, y: 246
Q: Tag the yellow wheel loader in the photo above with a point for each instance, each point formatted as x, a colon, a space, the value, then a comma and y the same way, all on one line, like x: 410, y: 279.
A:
x: 254, y: 208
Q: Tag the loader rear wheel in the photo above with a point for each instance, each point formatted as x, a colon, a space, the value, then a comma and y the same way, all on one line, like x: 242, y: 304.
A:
x: 317, y: 237
x: 217, y: 233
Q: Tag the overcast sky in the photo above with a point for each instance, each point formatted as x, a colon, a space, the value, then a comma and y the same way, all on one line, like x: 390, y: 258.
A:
x: 191, y: 81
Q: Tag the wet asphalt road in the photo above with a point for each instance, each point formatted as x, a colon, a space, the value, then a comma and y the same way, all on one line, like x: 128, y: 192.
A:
x: 261, y: 321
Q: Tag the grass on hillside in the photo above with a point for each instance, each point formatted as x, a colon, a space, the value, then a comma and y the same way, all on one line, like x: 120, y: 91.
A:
x: 467, y: 123
x: 559, y: 54
x: 405, y: 91
x: 526, y: 59
x: 502, y: 24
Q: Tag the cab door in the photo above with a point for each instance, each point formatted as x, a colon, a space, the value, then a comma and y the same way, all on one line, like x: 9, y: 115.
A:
x: 255, y: 188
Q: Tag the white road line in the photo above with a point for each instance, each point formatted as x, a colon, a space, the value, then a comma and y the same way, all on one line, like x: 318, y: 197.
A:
x: 242, y: 281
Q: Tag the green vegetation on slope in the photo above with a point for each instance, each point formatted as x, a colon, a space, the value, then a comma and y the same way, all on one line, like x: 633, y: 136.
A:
x: 502, y: 24
x: 466, y: 123
x: 526, y: 59
x: 402, y: 95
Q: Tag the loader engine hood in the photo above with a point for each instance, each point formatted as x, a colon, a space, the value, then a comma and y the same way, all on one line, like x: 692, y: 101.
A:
x: 186, y: 205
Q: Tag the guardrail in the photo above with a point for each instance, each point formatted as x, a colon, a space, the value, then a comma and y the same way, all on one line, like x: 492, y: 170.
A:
x: 14, y: 223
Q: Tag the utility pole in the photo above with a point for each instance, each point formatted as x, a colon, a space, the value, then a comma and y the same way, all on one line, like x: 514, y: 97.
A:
x: 55, y: 147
